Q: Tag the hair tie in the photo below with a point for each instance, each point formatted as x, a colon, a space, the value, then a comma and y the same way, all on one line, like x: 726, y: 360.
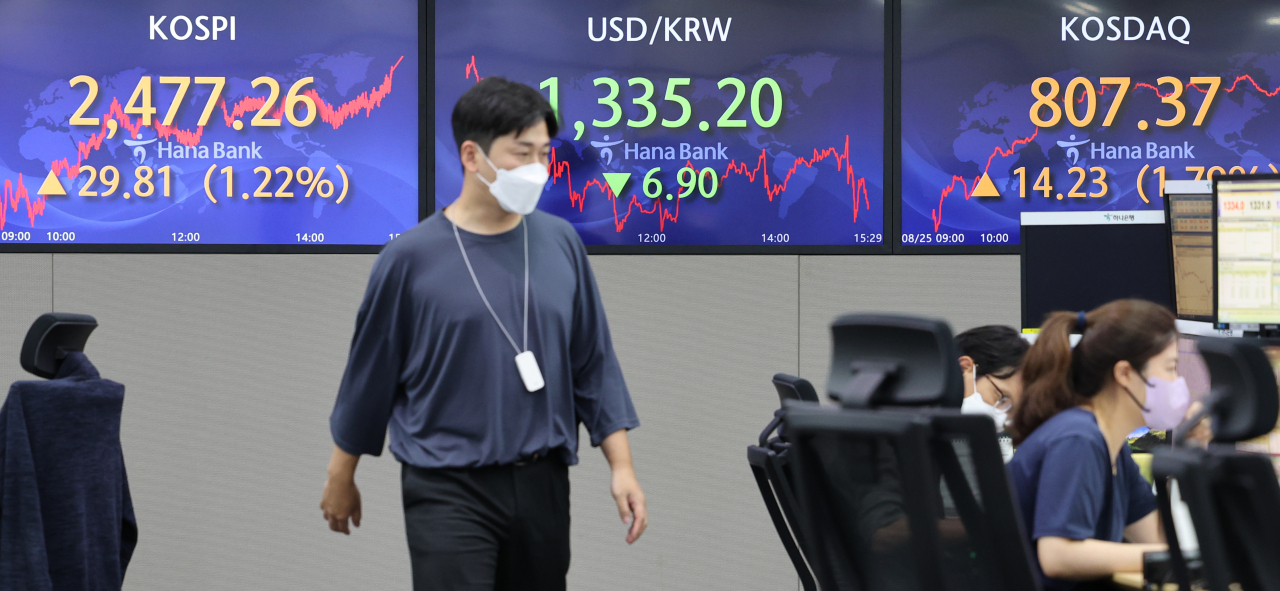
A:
x: 1082, y: 322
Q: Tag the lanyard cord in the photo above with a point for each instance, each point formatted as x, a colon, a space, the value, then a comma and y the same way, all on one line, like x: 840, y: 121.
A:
x: 476, y: 281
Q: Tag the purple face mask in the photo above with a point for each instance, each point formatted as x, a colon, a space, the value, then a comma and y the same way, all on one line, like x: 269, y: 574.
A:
x: 1168, y: 403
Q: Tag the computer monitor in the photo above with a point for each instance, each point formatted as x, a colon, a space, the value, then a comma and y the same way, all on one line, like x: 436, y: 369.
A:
x: 1189, y: 213
x: 1246, y: 220
x: 1080, y: 260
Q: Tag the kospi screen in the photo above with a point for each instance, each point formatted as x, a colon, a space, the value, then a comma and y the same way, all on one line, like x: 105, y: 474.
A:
x: 1031, y: 105
x: 739, y: 124
x: 184, y: 124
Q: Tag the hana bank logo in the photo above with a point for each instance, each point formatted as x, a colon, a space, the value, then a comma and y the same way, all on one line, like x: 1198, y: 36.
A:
x: 606, y: 149
x: 139, y: 151
x: 1073, y: 148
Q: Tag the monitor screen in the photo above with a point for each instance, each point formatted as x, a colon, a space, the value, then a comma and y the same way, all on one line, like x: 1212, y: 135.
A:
x: 1248, y: 253
x: 1080, y: 267
x: 1012, y: 106
x: 208, y: 124
x: 1190, y: 217
x: 752, y: 124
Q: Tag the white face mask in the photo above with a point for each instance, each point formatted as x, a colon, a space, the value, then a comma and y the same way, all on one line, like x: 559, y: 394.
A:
x: 977, y: 405
x: 517, y: 190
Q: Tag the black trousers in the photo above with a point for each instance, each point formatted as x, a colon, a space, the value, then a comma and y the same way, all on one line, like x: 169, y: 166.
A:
x: 488, y: 529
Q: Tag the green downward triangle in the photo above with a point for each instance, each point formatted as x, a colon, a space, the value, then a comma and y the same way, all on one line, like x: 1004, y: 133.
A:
x: 617, y: 180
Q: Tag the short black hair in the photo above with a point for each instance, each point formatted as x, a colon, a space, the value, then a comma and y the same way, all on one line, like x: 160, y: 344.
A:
x: 495, y: 107
x: 993, y: 348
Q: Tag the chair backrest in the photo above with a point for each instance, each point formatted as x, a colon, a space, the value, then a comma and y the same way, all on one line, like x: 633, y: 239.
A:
x: 896, y: 498
x: 1248, y: 497
x: 893, y: 360
x: 864, y: 480
x: 771, y: 469
x: 51, y: 337
x: 1233, y: 497
x: 770, y: 465
x: 1243, y: 396
x: 793, y: 388
x: 967, y: 453
x: 1234, y: 502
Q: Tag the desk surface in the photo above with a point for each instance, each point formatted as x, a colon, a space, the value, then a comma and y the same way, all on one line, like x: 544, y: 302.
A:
x: 1128, y: 581
x: 1134, y: 581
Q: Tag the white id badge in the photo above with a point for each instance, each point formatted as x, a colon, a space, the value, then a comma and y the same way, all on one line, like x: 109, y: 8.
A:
x: 529, y: 371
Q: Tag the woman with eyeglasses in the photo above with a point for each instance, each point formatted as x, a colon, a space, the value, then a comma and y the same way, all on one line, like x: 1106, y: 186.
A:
x: 991, y: 357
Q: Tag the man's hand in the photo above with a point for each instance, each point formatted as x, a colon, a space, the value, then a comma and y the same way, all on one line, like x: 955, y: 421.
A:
x: 341, y: 499
x: 626, y: 492
x: 624, y: 486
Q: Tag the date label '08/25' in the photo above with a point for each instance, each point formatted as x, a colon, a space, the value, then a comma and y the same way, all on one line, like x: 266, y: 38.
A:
x: 933, y: 238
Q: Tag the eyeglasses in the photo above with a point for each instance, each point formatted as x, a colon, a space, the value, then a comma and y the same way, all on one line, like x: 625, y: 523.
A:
x: 1004, y: 403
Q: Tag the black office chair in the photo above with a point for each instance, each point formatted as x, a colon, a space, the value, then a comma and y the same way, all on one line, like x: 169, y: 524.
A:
x: 967, y: 453
x: 879, y: 359
x: 898, y: 448
x: 62, y: 434
x: 770, y: 464
x: 905, y: 338
x: 793, y: 388
x: 51, y: 338
x: 864, y: 483
x: 1233, y: 497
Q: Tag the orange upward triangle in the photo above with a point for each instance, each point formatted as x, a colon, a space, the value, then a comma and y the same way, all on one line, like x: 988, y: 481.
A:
x: 985, y: 188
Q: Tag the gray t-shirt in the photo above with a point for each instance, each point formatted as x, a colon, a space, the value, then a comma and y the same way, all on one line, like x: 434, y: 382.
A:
x: 428, y: 359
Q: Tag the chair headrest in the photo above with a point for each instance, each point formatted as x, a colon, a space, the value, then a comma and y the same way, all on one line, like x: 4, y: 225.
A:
x: 1244, y: 399
x: 917, y: 358
x: 51, y: 337
x: 793, y: 388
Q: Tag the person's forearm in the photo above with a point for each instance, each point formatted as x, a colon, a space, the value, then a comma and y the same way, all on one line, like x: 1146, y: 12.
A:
x: 342, y: 465
x: 1061, y: 558
x: 617, y: 450
x: 1146, y: 530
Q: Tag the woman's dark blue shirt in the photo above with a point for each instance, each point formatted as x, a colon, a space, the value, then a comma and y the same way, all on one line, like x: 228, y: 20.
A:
x: 1064, y: 485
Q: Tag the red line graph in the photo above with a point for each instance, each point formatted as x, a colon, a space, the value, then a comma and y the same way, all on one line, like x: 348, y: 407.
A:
x: 968, y: 192
x: 578, y: 197
x: 857, y: 185
x: 1270, y: 93
x: 12, y: 195
x: 334, y: 116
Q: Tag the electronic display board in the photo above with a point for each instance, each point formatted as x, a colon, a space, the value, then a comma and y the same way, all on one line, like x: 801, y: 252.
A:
x: 204, y: 125
x: 741, y: 125
x: 1028, y: 105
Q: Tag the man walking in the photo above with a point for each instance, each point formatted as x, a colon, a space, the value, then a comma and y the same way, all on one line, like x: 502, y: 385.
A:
x: 481, y: 344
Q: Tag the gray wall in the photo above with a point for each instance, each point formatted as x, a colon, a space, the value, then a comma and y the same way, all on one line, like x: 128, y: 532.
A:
x: 231, y: 364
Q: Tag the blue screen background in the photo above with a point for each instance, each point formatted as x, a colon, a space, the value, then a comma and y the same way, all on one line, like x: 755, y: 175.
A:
x: 827, y: 58
x: 350, y: 48
x: 967, y: 71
